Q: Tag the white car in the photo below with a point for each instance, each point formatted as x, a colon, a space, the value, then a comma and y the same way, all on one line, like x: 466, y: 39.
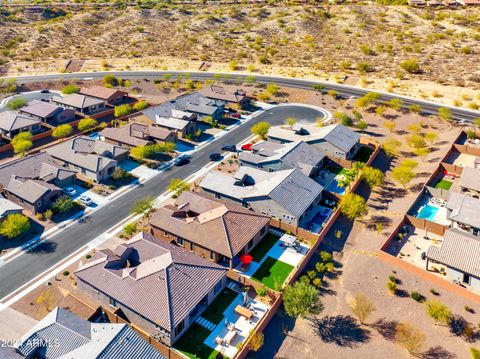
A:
x: 70, y: 191
x: 87, y: 201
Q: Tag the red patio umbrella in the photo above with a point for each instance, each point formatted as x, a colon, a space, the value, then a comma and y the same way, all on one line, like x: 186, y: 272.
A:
x: 246, y: 258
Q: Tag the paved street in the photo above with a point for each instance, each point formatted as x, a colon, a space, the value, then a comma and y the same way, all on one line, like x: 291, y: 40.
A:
x: 27, y: 266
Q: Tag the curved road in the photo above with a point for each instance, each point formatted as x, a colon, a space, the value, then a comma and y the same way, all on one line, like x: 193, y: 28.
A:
x: 344, y: 90
x: 27, y: 266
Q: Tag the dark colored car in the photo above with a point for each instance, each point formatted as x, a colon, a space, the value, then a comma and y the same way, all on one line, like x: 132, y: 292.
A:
x: 214, y: 156
x: 231, y: 148
x: 247, y: 147
x: 235, y: 115
x: 45, y: 91
x: 182, y: 160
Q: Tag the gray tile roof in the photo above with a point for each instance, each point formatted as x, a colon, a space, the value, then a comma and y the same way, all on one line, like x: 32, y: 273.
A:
x: 225, y: 228
x: 459, y: 250
x: 470, y: 178
x: 75, y: 338
x: 76, y: 100
x: 136, y: 134
x: 12, y: 120
x: 85, y: 152
x: 41, y: 109
x: 162, y: 281
x: 289, y: 188
x: 171, y: 122
x: 464, y: 209
x: 7, y: 206
x: 220, y: 93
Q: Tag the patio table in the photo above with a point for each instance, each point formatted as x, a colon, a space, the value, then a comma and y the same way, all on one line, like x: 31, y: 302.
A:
x: 230, y: 336
x: 247, y: 313
x: 288, y: 239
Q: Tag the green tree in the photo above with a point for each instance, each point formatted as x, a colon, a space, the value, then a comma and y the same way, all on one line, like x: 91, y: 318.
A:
x: 69, y: 89
x: 48, y: 214
x: 353, y: 206
x: 62, y: 131
x: 14, y: 225
x: 260, y: 129
x: 87, y: 124
x: 21, y: 143
x: 362, y: 125
x: 272, y: 89
x: 177, y: 186
x: 417, y: 143
x: 122, y: 110
x: 412, y: 66
x: 445, y: 114
x: 143, y: 207
x: 232, y: 65
x: 62, y: 205
x: 256, y: 341
x: 16, y: 103
x: 390, y: 125
x: 410, y: 337
x: 391, y: 146
x: 130, y: 229
x: 301, y: 300
x: 366, y: 100
x: 404, y: 173
x: 110, y: 81
x: 140, y: 105
x: 430, y: 137
x: 290, y: 121
x: 373, y: 176
x: 439, y: 312
x: 362, y: 307
x: 395, y: 103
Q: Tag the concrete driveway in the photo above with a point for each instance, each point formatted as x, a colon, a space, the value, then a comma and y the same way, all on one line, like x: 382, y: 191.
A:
x: 140, y: 171
x: 96, y: 198
x: 13, y: 324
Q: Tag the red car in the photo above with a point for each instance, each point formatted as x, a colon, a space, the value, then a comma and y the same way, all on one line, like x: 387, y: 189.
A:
x: 247, y: 147
x: 235, y: 115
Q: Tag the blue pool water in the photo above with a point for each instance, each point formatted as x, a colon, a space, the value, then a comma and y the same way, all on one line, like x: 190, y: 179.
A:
x: 333, y: 187
x: 428, y: 212
x: 319, y: 218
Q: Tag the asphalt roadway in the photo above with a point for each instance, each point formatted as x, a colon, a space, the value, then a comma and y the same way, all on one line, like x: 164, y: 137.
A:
x: 429, y: 107
x: 22, y: 269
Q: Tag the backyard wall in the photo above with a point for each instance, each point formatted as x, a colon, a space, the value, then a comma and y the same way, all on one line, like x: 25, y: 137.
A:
x: 469, y: 150
x: 430, y: 226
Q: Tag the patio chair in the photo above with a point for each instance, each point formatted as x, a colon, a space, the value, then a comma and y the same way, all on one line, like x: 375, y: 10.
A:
x: 219, y: 340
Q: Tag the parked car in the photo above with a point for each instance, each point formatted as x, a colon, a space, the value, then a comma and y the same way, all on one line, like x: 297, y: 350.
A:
x: 182, y: 160
x: 214, y: 156
x: 247, y: 147
x: 69, y: 191
x: 231, y: 148
x: 45, y: 91
x: 235, y: 116
x: 87, y: 201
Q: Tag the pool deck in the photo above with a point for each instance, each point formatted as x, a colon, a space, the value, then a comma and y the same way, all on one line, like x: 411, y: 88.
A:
x: 440, y: 217
x: 329, y: 181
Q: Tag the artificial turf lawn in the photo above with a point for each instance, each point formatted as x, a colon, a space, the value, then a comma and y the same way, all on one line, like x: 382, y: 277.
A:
x: 272, y: 272
x: 363, y: 154
x: 214, y: 312
x: 262, y: 248
x: 191, y: 343
x: 443, y: 184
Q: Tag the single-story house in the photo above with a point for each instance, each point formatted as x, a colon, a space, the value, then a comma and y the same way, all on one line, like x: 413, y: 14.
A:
x: 34, y: 182
x: 464, y: 211
x: 333, y: 140
x: 285, y: 195
x: 158, y: 286
x: 62, y: 334
x: 80, y: 103
x: 93, y: 159
x: 136, y: 135
x: 470, y: 181
x: 273, y: 156
x: 237, y: 96
x: 219, y: 232
x: 109, y: 95
x: 48, y: 112
x: 13, y: 122
x: 460, y: 253
x: 179, y: 126
x: 181, y: 123
x: 8, y: 207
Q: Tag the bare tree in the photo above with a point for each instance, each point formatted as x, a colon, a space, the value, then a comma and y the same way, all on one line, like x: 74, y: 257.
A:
x: 410, y: 337
x: 362, y: 307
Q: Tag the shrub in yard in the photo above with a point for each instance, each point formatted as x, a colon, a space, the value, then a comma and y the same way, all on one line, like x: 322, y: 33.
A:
x: 140, y: 105
x: 392, y: 287
x: 88, y: 256
x: 304, y: 279
x: 317, y: 282
x: 469, y: 309
x: 475, y: 353
x: 40, y: 216
x: 392, y: 278
x: 434, y: 292
x: 69, y: 89
x: 311, y: 274
x: 62, y: 131
x: 262, y: 292
x: 417, y: 296
x: 14, y: 225
x: 87, y: 124
x: 16, y: 103
x: 63, y: 204
x: 66, y: 272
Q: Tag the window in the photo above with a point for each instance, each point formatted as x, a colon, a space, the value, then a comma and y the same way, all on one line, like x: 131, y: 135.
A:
x: 245, y: 204
x: 263, y: 230
x: 217, y: 288
x: 180, y: 241
x: 212, y: 255
x: 217, y: 196
x: 466, y: 279
x: 113, y: 303
x: 179, y: 328
x: 191, y: 246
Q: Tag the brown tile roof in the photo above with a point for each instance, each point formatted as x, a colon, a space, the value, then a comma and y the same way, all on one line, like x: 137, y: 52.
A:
x: 220, y: 93
x: 157, y: 280
x: 102, y: 92
x: 41, y: 108
x: 136, y: 134
x: 222, y: 227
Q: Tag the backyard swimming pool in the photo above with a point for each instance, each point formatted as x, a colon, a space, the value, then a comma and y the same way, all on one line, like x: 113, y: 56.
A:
x: 318, y: 219
x: 428, y: 212
x: 335, y: 188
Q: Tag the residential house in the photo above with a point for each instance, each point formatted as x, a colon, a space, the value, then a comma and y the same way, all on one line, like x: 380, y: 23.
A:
x: 219, y: 232
x: 158, y: 286
x: 273, y: 156
x: 109, y: 95
x: 62, y: 334
x: 179, y: 122
x: 48, y: 112
x: 34, y: 182
x: 464, y: 212
x: 237, y: 96
x: 8, y: 207
x: 12, y: 123
x: 460, y: 253
x: 94, y: 159
x: 137, y: 134
x: 80, y: 103
x: 470, y: 181
x: 285, y: 195
x: 333, y: 140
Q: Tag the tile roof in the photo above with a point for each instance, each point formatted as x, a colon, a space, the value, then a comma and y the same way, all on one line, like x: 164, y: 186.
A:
x: 225, y: 228
x: 459, y: 250
x: 87, y: 153
x: 337, y: 135
x: 136, y: 134
x: 8, y: 206
x: 221, y: 93
x: 101, y: 92
x: 289, y: 188
x: 157, y: 280
x: 76, y: 100
x: 12, y: 120
x: 470, y: 178
x: 75, y: 338
x: 41, y: 108
x: 171, y: 122
x: 464, y: 209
